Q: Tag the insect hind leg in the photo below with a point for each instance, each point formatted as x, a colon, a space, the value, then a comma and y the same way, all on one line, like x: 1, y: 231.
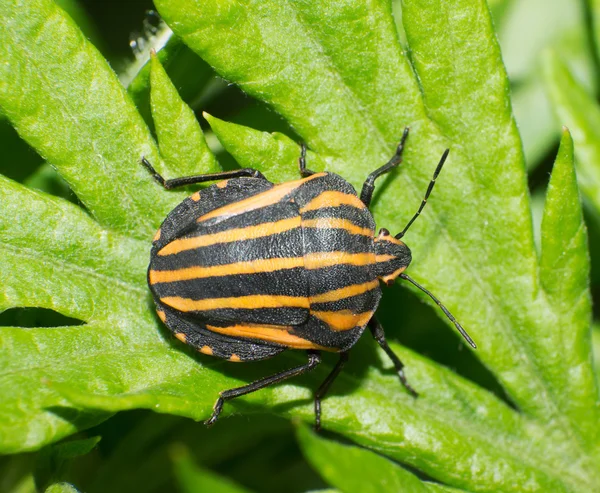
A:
x: 326, y: 385
x: 314, y: 358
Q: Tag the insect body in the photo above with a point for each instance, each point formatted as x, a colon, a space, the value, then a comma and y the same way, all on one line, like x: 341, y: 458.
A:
x: 246, y: 269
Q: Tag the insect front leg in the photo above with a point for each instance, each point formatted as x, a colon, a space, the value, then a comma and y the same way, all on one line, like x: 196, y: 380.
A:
x: 366, y: 194
x: 314, y: 358
x: 191, y: 180
x: 304, y: 172
x: 379, y: 335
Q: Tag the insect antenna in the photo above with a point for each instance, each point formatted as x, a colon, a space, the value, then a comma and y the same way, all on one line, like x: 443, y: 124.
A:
x: 444, y: 309
x: 429, y: 189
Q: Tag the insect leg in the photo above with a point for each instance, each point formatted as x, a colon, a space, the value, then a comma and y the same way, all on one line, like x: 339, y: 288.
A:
x: 302, y: 162
x: 190, y: 180
x: 314, y: 358
x: 320, y: 393
x: 379, y: 335
x: 369, y: 185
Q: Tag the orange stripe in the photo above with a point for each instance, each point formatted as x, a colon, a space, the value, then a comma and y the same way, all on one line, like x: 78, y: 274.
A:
x: 334, y: 222
x: 264, y: 333
x: 390, y: 239
x: 332, y: 198
x: 384, y: 258
x: 254, y: 301
x: 258, y: 201
x: 250, y: 267
x: 392, y: 277
x: 257, y: 301
x: 343, y: 319
x: 312, y: 260
x: 231, y: 235
x: 327, y: 259
x: 338, y: 294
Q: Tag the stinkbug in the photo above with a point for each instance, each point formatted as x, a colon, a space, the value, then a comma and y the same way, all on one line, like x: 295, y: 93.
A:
x: 245, y: 269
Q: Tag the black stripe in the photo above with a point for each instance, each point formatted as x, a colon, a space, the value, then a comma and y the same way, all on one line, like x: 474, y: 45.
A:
x: 357, y: 304
x: 338, y: 276
x: 360, y: 217
x: 335, y: 240
x: 271, y: 213
x: 269, y: 316
x: 286, y: 244
x: 289, y: 282
x: 383, y: 268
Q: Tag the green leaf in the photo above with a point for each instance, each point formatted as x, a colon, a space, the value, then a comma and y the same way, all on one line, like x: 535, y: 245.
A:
x: 482, y: 425
x: 564, y: 274
x: 523, y: 38
x: 195, y: 479
x: 46, y: 179
x: 596, y: 351
x: 76, y: 10
x: 16, y: 472
x: 564, y: 264
x: 593, y: 10
x: 140, y: 460
x: 139, y: 86
x: 15, y: 150
x: 345, y: 85
x: 72, y: 448
x: 274, y: 154
x: 180, y: 138
x: 353, y: 469
x: 61, y: 488
x: 578, y: 110
x: 212, y: 32
x: 187, y: 72
x: 53, y: 460
x: 67, y: 103
x: 54, y: 256
x: 436, y: 487
x: 498, y: 9
x: 536, y: 123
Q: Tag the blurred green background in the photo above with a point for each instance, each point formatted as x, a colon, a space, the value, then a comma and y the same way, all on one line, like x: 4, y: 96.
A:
x: 143, y: 451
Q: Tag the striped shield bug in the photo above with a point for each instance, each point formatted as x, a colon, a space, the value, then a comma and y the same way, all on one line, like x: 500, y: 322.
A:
x: 245, y: 269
